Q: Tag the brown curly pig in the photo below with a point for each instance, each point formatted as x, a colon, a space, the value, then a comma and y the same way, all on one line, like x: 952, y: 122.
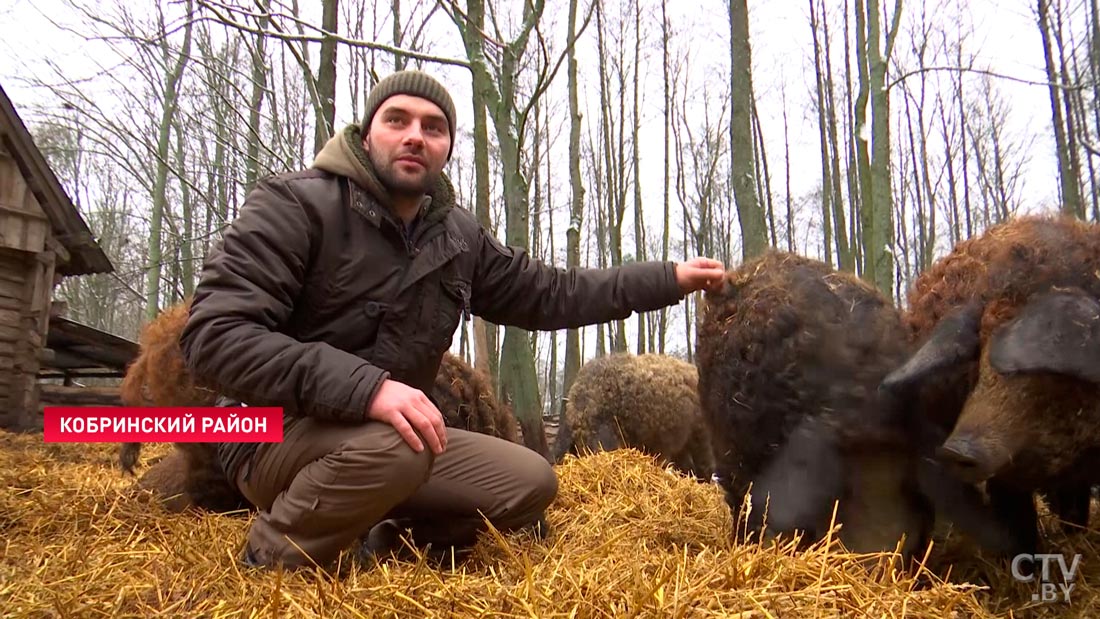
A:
x: 1008, y: 329
x: 790, y: 354
x: 465, y: 397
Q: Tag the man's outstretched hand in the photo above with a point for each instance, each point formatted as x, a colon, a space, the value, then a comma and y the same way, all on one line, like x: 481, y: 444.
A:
x: 700, y: 274
x: 405, y: 408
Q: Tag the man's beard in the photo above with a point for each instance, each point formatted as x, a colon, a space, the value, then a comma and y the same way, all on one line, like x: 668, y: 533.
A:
x: 399, y: 186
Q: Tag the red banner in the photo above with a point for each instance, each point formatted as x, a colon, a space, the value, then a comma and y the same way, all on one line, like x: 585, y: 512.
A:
x: 124, y: 424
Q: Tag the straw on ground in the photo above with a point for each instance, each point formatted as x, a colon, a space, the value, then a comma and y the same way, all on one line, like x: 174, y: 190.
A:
x: 628, y: 539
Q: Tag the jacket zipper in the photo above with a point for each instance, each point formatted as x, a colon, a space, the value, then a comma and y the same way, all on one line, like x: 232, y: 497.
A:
x: 410, y: 249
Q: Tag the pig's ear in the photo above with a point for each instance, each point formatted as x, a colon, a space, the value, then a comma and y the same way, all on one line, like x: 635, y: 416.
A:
x: 1055, y: 332
x: 953, y: 341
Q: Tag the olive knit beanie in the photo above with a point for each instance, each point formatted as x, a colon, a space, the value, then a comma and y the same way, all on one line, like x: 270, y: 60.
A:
x: 417, y: 84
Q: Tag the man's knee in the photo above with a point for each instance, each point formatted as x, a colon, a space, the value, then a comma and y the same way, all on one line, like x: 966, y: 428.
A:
x: 536, y: 489
x: 548, y: 485
x: 541, y: 484
x: 384, y: 453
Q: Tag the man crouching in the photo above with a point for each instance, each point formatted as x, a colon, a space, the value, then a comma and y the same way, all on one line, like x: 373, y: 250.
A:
x: 335, y: 293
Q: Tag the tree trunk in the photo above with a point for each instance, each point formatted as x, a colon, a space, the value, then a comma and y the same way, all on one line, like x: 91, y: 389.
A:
x: 863, y: 158
x: 187, y: 233
x: 576, y: 205
x: 639, y: 226
x: 326, y: 77
x: 1071, y: 199
x: 883, y: 212
x: 1068, y: 99
x: 613, y: 165
x: 1094, y: 70
x: 754, y: 232
x: 398, y: 39
x: 667, y: 102
x: 255, y: 102
x: 928, y: 239
x: 845, y: 260
x: 787, y: 173
x: 761, y: 162
x: 965, y: 156
x: 160, y: 197
x: 485, y: 334
x: 952, y: 185
x: 826, y: 171
x: 855, y: 199
x: 519, y: 377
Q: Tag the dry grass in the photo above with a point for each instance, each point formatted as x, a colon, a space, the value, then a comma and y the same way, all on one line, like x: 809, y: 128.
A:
x: 628, y: 540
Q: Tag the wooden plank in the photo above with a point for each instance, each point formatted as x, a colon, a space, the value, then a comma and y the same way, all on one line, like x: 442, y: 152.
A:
x: 14, y: 270
x: 13, y: 284
x: 12, y: 334
x: 63, y: 254
x: 30, y: 211
x: 14, y: 278
x: 14, y: 290
x: 10, y: 318
x: 13, y: 187
x: 60, y: 395
x: 21, y: 231
x: 31, y: 206
x: 14, y: 267
x: 21, y: 368
x: 42, y: 290
x: 11, y: 260
x: 7, y: 374
x: 15, y: 273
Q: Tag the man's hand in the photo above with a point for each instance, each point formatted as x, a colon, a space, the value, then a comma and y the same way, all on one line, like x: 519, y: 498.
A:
x: 406, y: 408
x: 700, y: 274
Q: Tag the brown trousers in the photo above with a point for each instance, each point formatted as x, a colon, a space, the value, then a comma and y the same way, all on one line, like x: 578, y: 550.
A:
x: 328, y: 484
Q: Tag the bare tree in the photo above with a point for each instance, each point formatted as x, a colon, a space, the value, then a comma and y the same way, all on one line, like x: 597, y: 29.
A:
x: 326, y: 76
x: 495, y: 66
x: 1069, y: 176
x: 743, y: 173
x: 879, y: 241
x: 172, y: 80
x: 577, y: 192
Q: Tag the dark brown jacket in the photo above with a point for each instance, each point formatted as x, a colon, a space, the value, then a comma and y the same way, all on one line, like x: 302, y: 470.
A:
x: 316, y: 294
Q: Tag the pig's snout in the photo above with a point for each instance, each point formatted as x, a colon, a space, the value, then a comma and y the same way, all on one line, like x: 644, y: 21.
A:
x: 967, y: 458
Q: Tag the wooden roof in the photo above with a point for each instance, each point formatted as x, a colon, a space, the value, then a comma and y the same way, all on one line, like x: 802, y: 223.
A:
x: 81, y: 350
x: 69, y: 228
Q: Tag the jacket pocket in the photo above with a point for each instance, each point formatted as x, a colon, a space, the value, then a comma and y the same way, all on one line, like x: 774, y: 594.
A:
x: 454, y: 305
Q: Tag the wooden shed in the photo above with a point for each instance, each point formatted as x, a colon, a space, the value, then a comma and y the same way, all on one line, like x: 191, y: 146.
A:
x: 43, y: 238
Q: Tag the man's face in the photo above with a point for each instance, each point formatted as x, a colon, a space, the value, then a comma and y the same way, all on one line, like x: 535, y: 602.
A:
x: 408, y: 142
